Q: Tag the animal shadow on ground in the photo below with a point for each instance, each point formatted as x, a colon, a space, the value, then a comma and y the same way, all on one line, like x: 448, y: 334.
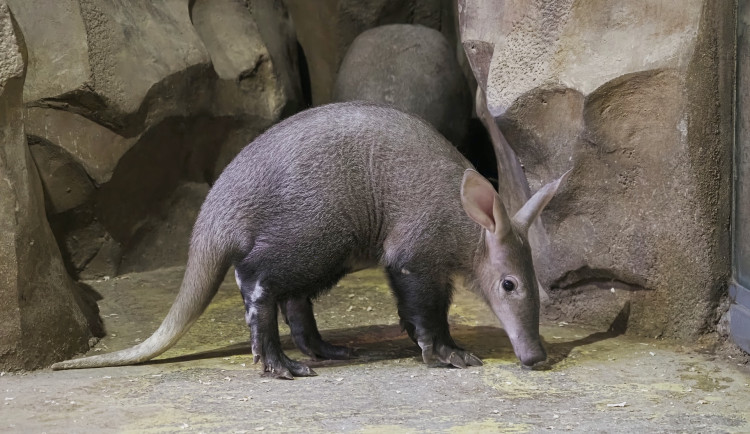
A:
x: 559, y: 351
x: 371, y: 343
x: 387, y: 342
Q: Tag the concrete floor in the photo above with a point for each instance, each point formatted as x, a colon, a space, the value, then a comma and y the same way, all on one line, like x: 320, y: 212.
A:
x: 597, y: 382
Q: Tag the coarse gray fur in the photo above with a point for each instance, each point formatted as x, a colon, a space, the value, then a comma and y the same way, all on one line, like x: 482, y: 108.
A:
x: 342, y: 187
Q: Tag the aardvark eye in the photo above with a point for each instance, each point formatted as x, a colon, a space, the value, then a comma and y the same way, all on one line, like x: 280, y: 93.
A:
x: 508, y: 285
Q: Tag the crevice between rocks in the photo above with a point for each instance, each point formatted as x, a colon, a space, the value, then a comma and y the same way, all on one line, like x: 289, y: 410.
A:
x: 600, y: 278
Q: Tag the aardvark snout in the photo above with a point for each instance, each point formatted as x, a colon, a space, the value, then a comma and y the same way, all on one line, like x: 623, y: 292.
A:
x: 532, y: 356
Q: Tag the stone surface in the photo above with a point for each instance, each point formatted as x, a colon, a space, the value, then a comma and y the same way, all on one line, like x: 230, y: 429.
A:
x: 412, y: 68
x: 326, y: 28
x: 580, y: 45
x: 58, y: 51
x: 133, y: 45
x: 106, y: 260
x: 162, y: 241
x: 161, y: 94
x: 279, y: 36
x: 66, y: 184
x: 230, y: 35
x: 168, y: 154
x: 242, y: 37
x: 597, y: 381
x: 96, y: 148
x: 638, y: 99
x: 43, y: 320
x: 251, y: 84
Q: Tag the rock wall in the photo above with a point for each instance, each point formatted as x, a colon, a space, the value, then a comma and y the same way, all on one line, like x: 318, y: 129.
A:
x: 143, y: 98
x: 637, y: 98
x: 42, y: 310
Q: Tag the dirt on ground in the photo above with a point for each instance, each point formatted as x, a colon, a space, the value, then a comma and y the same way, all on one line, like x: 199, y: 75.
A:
x: 595, y: 381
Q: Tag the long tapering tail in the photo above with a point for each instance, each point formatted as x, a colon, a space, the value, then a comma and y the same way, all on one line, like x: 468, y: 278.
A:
x: 207, y: 265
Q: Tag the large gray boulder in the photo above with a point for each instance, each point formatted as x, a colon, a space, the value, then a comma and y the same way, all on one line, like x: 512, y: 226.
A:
x: 58, y: 53
x: 42, y: 312
x: 412, y: 68
x: 326, y: 28
x: 637, y: 97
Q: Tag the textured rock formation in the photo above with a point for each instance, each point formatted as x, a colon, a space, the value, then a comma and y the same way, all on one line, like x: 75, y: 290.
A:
x: 636, y: 97
x: 410, y: 67
x: 326, y: 28
x: 94, y: 147
x: 57, y: 52
x: 42, y: 317
x: 66, y: 183
x: 154, y: 245
x: 277, y: 32
x: 129, y: 100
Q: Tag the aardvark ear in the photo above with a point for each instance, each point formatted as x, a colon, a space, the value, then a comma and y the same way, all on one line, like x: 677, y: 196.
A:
x: 482, y: 203
x: 534, y: 206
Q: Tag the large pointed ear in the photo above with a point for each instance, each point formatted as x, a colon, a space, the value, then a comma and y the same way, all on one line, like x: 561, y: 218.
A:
x: 482, y: 204
x: 534, y: 206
